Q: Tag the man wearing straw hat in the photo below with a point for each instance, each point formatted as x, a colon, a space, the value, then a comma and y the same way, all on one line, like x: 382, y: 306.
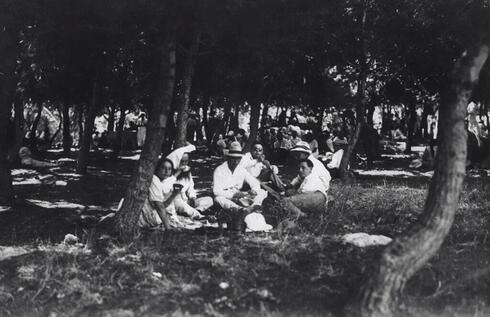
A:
x: 228, y: 181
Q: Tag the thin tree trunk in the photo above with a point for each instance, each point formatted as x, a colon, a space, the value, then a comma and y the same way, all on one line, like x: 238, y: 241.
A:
x: 205, y: 109
x: 360, y: 107
x: 226, y: 116
x: 84, y: 151
x: 183, y: 106
x: 119, y: 134
x: 409, y: 252
x: 111, y: 120
x: 265, y: 115
x: 411, y: 125
x: 80, y: 115
x: 33, y: 131
x: 137, y: 192
x: 8, y: 51
x: 60, y: 126
x: 254, y: 123
x: 67, y: 140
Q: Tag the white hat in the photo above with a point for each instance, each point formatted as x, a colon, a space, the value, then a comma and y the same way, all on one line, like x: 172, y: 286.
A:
x: 256, y: 222
x: 176, y: 155
x: 235, y: 149
x: 301, y: 146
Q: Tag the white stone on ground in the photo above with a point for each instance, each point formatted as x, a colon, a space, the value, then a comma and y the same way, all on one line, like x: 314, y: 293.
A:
x: 361, y: 239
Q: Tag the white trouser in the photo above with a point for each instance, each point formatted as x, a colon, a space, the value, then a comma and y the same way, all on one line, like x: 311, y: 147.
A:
x: 228, y: 204
x: 203, y: 203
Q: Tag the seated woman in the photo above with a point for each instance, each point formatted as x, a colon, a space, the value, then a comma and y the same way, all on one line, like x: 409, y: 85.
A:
x: 155, y: 211
x: 305, y: 194
x: 187, y: 202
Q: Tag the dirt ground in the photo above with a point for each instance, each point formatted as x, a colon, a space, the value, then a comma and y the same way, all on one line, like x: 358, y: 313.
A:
x: 306, y: 272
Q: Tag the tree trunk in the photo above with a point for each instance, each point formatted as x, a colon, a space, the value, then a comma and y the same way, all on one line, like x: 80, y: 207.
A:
x: 8, y: 51
x: 111, y: 119
x: 254, y: 124
x: 226, y: 116
x: 409, y: 252
x: 119, y: 134
x: 205, y: 109
x: 84, y: 150
x: 265, y: 115
x: 137, y: 193
x: 60, y: 126
x: 67, y: 140
x: 360, y: 107
x: 80, y: 115
x: 33, y: 131
x: 411, y: 125
x: 183, y: 106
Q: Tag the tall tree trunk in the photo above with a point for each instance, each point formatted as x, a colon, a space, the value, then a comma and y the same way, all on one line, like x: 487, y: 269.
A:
x: 67, y: 140
x: 409, y: 252
x: 370, y: 113
x: 412, y: 117
x: 226, y: 116
x: 8, y: 51
x: 137, y: 192
x: 111, y: 120
x: 119, y: 134
x: 254, y: 123
x: 84, y: 150
x: 80, y: 115
x: 265, y: 115
x: 60, y: 126
x: 360, y: 106
x: 33, y: 131
x: 205, y: 109
x: 183, y: 106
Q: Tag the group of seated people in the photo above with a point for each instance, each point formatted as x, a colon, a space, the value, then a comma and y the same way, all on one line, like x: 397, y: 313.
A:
x: 245, y: 183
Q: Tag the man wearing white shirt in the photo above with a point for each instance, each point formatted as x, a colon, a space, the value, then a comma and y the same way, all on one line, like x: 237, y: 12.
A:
x: 228, y: 181
x: 260, y: 168
x: 301, y: 152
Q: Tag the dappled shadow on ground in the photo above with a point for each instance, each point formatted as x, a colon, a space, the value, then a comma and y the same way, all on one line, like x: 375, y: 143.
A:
x: 305, y: 271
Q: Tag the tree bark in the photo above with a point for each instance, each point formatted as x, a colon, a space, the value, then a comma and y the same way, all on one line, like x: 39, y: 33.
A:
x: 60, y: 126
x: 33, y: 131
x: 67, y: 140
x: 188, y: 74
x: 409, y: 252
x: 80, y: 115
x: 119, y: 134
x: 361, y: 104
x: 411, y: 125
x: 254, y: 123
x: 8, y: 51
x: 137, y: 192
x: 84, y: 150
x: 111, y: 120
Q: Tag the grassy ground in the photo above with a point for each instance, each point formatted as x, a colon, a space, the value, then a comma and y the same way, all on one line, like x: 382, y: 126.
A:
x: 309, y: 272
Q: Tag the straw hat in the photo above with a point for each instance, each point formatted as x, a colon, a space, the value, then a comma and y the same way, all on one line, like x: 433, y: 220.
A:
x: 256, y: 222
x: 301, y: 146
x: 235, y: 150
